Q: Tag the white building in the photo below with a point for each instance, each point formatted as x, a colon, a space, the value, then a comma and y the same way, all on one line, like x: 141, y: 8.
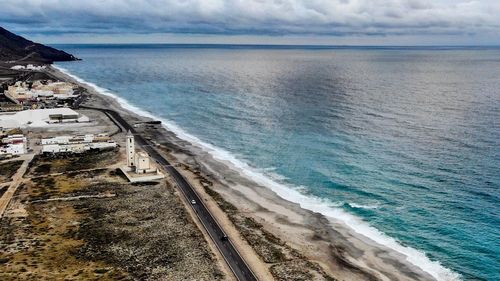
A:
x: 143, y: 164
x: 28, y: 67
x: 12, y: 149
x: 41, y: 118
x: 77, y: 147
x: 76, y: 139
x: 77, y: 144
x: 13, y: 145
x: 14, y: 138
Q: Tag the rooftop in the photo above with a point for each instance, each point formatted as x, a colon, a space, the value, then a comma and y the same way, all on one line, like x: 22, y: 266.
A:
x: 39, y: 117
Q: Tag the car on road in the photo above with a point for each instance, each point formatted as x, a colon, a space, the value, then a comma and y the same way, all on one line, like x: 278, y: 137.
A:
x: 224, y: 237
x: 193, y: 202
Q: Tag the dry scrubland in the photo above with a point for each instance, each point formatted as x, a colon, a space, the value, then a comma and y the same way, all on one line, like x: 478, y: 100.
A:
x: 65, y: 223
x: 41, y: 166
x: 8, y: 169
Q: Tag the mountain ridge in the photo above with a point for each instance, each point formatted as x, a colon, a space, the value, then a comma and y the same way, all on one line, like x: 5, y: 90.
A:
x: 15, y: 48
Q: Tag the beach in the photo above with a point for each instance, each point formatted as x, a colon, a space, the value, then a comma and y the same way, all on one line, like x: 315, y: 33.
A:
x: 341, y: 252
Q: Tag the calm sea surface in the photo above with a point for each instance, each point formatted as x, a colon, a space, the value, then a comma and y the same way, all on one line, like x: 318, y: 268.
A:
x: 405, y: 138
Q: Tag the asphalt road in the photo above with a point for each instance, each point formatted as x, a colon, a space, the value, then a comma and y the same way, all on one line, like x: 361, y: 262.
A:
x: 225, y: 246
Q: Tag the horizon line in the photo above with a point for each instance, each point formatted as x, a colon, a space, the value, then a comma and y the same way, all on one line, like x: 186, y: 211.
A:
x: 288, y: 45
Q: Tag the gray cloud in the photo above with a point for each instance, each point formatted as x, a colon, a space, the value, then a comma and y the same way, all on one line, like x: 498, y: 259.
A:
x: 253, y: 17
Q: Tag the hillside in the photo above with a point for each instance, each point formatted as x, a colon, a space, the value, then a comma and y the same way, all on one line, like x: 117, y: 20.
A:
x: 19, y: 49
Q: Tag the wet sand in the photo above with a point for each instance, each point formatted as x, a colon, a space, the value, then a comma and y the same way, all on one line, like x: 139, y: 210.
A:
x: 342, y: 253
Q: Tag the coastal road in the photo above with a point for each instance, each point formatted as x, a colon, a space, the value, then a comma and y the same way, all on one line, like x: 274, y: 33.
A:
x: 233, y: 258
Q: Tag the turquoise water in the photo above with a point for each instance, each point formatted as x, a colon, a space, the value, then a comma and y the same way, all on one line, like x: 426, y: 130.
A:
x: 407, y: 139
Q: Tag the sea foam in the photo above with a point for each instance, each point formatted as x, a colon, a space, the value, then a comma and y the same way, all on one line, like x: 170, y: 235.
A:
x: 360, y: 206
x: 290, y: 192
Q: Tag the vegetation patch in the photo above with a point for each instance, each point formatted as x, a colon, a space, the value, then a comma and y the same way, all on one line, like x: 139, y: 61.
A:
x: 37, y: 247
x: 51, y: 164
x: 148, y: 232
x: 8, y: 169
x: 3, y: 189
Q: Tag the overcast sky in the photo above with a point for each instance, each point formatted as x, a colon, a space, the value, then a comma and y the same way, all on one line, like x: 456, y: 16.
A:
x: 365, y: 22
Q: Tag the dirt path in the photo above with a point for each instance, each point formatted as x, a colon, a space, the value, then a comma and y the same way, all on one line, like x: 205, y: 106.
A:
x: 16, y: 181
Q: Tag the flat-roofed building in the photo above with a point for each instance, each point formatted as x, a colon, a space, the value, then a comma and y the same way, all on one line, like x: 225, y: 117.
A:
x: 41, y: 118
x: 13, y: 145
x: 77, y: 147
x: 76, y: 139
x: 77, y: 144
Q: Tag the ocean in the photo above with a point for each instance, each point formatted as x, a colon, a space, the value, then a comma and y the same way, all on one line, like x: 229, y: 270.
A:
x: 400, y: 143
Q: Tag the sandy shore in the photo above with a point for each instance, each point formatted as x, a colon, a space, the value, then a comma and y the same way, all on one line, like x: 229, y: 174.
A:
x: 342, y: 253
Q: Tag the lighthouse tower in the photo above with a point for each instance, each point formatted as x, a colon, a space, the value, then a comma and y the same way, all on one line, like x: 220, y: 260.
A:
x: 130, y: 149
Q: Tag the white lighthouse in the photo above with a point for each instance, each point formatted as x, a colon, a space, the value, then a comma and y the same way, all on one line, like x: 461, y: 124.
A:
x: 130, y: 149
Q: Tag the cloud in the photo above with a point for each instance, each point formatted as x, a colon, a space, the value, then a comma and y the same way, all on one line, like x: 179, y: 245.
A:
x: 253, y: 17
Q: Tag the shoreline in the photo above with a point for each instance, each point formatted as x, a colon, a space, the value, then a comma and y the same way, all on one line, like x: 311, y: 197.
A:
x: 306, y: 227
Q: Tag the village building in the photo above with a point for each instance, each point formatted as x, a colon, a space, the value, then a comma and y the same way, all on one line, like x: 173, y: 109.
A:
x: 9, y: 107
x: 40, y: 92
x: 77, y: 144
x: 76, y: 139
x: 58, y: 89
x: 13, y: 145
x: 29, y: 67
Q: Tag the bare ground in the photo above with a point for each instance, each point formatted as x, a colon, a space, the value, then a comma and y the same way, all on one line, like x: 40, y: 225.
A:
x: 134, y: 232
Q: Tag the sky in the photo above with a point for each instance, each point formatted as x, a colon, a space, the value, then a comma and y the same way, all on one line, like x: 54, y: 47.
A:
x: 323, y: 22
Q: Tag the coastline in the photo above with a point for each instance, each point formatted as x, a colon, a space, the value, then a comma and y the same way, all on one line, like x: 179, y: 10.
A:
x: 304, y: 226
